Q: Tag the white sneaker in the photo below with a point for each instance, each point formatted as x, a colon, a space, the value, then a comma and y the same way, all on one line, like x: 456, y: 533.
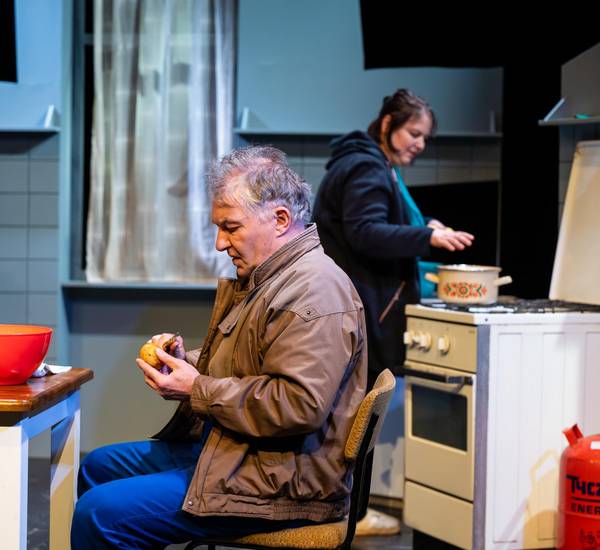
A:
x: 377, y: 523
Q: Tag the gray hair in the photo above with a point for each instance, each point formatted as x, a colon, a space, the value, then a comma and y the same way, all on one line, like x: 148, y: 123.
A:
x: 258, y: 176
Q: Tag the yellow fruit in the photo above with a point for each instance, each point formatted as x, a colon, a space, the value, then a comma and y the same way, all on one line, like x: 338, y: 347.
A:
x: 148, y: 354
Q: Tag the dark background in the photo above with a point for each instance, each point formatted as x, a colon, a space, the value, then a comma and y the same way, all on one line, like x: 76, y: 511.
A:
x: 531, y: 49
x: 469, y: 207
x: 8, y: 51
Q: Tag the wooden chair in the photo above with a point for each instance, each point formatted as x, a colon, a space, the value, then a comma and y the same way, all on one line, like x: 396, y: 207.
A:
x: 336, y: 535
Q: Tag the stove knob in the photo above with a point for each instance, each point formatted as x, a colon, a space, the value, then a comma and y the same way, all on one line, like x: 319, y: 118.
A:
x: 424, y: 341
x: 443, y: 344
x: 409, y: 337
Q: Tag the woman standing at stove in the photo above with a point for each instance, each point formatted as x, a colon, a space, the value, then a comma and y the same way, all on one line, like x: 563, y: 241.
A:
x: 370, y: 225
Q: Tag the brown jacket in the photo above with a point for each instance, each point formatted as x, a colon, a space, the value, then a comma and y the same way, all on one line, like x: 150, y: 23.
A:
x: 283, y: 371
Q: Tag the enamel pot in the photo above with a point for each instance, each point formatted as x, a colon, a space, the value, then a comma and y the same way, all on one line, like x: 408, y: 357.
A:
x: 468, y: 284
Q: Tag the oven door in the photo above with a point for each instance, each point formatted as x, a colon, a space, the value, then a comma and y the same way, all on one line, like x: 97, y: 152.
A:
x: 439, y: 416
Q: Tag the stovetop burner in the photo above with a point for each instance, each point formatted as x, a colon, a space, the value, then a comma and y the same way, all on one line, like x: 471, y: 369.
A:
x: 519, y: 305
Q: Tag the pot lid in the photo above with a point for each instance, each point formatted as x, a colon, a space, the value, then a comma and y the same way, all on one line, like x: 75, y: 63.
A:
x: 469, y: 267
x: 576, y: 272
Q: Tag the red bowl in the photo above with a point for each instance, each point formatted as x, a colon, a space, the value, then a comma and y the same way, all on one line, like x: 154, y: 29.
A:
x: 22, y: 350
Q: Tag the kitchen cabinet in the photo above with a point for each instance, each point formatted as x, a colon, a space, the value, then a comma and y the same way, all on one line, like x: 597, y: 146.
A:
x: 541, y: 383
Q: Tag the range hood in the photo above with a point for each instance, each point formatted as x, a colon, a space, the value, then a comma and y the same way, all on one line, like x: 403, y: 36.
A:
x: 580, y: 82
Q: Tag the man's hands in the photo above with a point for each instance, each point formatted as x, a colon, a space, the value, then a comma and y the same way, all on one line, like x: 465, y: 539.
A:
x: 176, y: 349
x: 175, y: 385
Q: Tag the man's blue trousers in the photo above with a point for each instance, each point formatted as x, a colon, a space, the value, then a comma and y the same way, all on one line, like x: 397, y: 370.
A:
x: 130, y: 496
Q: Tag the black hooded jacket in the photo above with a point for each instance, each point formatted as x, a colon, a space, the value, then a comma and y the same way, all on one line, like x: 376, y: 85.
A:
x: 364, y: 226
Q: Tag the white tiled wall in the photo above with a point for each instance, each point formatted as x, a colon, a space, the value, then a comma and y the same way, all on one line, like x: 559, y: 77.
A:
x: 29, y: 230
x: 444, y: 161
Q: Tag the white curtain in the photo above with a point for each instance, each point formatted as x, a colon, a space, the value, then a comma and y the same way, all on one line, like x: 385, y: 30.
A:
x: 163, y: 73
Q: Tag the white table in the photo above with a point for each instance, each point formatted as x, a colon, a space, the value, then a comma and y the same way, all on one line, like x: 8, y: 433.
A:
x: 26, y: 410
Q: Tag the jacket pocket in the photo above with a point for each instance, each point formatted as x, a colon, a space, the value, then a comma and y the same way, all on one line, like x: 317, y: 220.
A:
x: 271, y: 458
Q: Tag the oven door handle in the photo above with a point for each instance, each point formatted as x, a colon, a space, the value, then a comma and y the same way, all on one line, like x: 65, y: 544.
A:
x: 444, y: 378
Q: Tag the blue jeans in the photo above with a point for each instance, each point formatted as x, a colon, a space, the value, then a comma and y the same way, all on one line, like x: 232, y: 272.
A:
x: 130, y: 496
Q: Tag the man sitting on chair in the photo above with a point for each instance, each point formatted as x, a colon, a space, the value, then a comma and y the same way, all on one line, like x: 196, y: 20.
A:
x: 257, y: 443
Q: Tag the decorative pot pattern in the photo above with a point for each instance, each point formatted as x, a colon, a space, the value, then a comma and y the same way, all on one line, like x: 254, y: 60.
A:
x: 465, y: 290
x: 468, y: 284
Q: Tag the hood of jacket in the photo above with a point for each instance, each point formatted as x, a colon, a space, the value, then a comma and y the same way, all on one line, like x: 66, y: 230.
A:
x: 355, y: 142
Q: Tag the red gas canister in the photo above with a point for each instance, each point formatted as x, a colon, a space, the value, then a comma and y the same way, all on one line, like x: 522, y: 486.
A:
x: 579, y: 493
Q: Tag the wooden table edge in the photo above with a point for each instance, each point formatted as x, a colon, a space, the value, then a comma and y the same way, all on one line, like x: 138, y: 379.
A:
x: 42, y: 401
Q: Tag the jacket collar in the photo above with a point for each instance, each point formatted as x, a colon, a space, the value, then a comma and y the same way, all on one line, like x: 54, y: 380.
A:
x: 284, y: 256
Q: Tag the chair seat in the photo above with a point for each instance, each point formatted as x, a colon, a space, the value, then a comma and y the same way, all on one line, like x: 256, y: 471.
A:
x: 324, y: 535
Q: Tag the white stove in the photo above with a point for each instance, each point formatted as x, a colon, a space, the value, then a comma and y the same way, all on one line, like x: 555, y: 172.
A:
x: 521, y: 311
x: 488, y: 392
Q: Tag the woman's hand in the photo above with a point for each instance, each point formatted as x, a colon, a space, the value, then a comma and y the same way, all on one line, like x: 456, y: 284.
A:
x: 175, y: 385
x: 436, y: 224
x: 451, y: 240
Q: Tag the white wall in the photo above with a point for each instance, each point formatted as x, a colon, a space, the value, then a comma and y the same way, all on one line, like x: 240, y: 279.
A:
x: 39, y: 29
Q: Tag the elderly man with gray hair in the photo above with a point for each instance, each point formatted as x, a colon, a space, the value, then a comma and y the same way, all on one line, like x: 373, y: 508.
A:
x: 268, y: 401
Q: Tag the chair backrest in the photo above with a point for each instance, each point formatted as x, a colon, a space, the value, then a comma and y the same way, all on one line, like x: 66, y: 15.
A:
x: 363, y: 436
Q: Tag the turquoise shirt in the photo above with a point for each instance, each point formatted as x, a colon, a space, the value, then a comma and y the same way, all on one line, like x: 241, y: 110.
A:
x: 416, y: 219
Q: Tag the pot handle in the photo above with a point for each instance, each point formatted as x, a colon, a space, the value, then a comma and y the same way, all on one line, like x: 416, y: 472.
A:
x: 432, y: 278
x: 507, y: 279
